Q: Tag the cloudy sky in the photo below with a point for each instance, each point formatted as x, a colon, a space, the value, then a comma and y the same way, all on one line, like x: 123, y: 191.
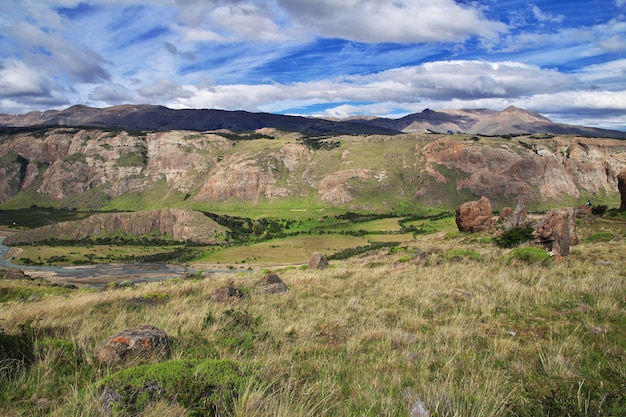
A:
x: 564, y: 59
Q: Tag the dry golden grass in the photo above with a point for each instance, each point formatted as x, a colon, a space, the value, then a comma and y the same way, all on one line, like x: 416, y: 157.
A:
x: 369, y: 336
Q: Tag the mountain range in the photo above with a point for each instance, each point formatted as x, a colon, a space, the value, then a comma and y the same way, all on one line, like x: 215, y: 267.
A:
x: 511, y: 120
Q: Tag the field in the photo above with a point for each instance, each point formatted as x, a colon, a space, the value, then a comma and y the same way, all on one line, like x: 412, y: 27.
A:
x: 447, y: 319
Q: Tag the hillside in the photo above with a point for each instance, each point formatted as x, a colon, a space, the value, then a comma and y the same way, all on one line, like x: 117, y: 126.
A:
x: 175, y: 224
x: 95, y: 168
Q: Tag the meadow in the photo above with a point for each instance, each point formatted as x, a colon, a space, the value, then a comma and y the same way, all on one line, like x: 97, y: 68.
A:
x: 444, y: 318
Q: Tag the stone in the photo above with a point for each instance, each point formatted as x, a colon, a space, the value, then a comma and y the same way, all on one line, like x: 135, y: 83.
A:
x: 318, y: 261
x: 144, y: 340
x: 556, y: 232
x: 584, y: 210
x: 419, y: 410
x: 505, y: 214
x: 621, y: 186
x: 226, y: 294
x: 475, y: 216
x: 272, y: 284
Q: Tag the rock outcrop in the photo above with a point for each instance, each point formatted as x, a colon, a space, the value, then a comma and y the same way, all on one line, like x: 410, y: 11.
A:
x: 475, y: 216
x: 144, y: 340
x: 621, y: 185
x: 178, y: 224
x: 556, y: 232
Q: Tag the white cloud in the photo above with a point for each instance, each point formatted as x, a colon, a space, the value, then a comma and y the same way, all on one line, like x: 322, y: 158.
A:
x: 17, y: 79
x: 412, y: 21
x: 544, y: 17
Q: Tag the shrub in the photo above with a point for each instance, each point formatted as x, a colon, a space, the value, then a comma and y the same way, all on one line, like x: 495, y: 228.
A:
x: 599, y: 210
x: 530, y: 254
x: 514, y: 237
x: 205, y: 388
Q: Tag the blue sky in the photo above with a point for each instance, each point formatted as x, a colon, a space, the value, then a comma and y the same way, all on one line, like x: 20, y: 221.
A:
x: 339, y: 58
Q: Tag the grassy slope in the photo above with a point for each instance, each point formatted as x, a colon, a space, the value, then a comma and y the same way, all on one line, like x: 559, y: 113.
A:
x: 368, y: 336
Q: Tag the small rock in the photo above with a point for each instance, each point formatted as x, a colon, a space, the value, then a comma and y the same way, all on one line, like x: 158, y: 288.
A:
x: 318, y: 261
x: 272, y: 284
x: 130, y: 343
x: 597, y: 330
x: 419, y: 410
x: 225, y: 294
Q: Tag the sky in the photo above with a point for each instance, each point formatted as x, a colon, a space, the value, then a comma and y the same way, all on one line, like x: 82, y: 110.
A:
x: 329, y: 58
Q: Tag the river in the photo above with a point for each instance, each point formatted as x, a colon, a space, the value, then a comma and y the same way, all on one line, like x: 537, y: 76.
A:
x: 100, y: 274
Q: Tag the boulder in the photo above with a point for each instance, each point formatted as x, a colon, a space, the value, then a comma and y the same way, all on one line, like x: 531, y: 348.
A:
x: 621, y: 186
x: 318, y: 261
x: 144, y: 340
x: 272, y: 284
x: 226, y: 294
x: 475, y: 216
x: 556, y: 232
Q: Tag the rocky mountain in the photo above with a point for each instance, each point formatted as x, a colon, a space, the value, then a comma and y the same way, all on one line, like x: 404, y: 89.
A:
x: 105, y: 168
x: 159, y: 118
x: 512, y: 120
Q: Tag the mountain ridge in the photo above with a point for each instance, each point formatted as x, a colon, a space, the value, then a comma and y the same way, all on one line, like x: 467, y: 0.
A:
x: 511, y: 120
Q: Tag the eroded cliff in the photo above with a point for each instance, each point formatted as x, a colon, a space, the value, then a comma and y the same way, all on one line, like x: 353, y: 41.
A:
x: 78, y: 167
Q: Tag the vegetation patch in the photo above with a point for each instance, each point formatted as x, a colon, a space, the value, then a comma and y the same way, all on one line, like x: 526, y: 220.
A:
x: 204, y: 388
x: 460, y: 254
x: 601, y: 237
x: 530, y: 254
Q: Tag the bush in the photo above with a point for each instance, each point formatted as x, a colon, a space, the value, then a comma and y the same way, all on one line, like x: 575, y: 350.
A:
x: 598, y: 210
x: 514, y: 237
x: 205, y: 388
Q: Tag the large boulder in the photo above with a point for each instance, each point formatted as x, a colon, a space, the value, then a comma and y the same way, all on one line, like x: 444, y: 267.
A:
x: 475, y: 216
x: 318, y: 261
x: 556, y: 232
x: 144, y: 340
x: 621, y: 186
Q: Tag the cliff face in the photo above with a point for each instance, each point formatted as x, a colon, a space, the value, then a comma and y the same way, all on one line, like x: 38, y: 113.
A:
x: 530, y: 170
x: 178, y: 224
x: 73, y: 166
